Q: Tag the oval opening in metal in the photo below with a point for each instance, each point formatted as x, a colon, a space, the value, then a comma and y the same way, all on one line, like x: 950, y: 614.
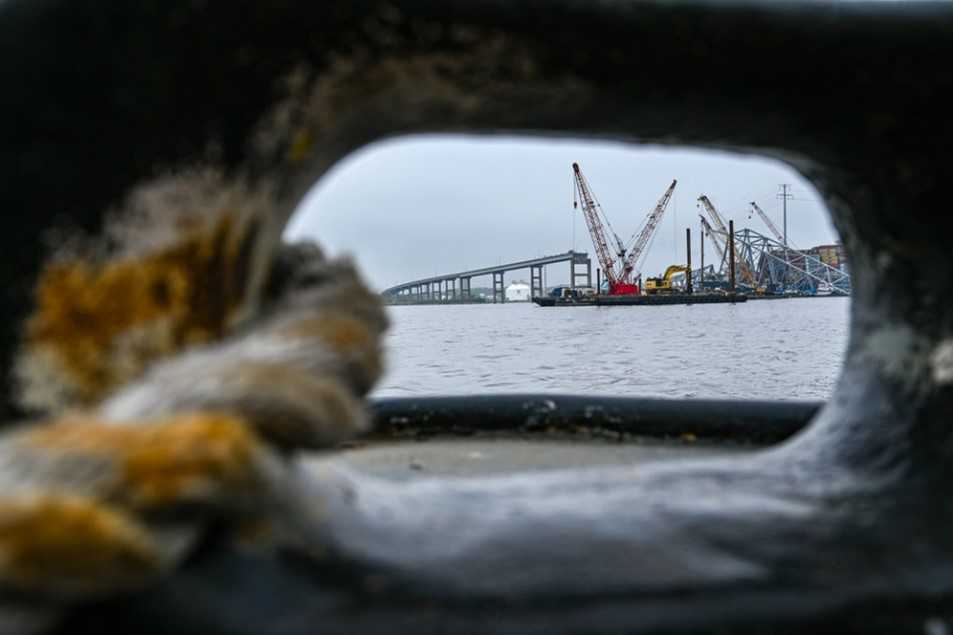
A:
x: 435, y: 209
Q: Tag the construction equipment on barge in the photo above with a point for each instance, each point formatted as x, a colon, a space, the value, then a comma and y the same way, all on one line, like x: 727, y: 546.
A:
x: 663, y: 283
x: 619, y: 271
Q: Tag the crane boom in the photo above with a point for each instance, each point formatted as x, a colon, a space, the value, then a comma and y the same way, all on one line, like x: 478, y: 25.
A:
x: 746, y: 273
x: 713, y: 214
x: 640, y: 242
x: 767, y: 221
x: 715, y: 239
x: 597, y: 231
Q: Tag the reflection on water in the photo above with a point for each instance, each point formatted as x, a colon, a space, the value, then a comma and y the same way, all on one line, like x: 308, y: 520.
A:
x: 771, y: 349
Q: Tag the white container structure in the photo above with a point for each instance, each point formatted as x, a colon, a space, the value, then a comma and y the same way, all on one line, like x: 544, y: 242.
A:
x: 518, y: 292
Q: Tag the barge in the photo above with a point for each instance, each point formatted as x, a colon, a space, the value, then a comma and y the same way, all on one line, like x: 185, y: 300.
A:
x: 639, y: 300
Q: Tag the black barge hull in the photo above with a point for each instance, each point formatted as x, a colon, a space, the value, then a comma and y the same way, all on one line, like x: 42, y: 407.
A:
x: 640, y: 300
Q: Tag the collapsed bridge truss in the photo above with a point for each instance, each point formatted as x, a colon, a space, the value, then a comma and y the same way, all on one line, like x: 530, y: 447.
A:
x: 781, y: 268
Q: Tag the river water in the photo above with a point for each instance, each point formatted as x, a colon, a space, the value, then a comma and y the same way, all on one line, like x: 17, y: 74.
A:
x: 769, y: 349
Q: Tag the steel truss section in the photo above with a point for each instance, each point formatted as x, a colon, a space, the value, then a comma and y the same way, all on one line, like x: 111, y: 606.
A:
x: 784, y: 269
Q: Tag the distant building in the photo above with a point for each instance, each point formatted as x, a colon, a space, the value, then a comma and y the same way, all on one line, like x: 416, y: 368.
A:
x: 832, y: 255
x: 518, y: 292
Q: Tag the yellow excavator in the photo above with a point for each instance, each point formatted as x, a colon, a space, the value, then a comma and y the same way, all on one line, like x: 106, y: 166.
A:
x: 663, y: 284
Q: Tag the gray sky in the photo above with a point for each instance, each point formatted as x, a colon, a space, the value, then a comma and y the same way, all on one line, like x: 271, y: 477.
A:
x: 426, y: 205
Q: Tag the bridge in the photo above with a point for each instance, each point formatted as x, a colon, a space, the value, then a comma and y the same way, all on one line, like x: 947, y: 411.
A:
x: 779, y: 266
x: 455, y: 287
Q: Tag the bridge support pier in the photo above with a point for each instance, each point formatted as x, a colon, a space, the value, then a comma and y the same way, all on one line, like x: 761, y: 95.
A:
x: 575, y: 275
x: 465, y: 288
x: 498, y: 289
x: 536, y: 282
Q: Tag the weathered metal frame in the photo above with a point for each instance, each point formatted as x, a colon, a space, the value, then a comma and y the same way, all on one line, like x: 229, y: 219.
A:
x: 845, y: 524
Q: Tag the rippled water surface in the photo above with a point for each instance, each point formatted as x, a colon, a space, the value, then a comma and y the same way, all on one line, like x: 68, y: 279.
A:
x: 774, y: 349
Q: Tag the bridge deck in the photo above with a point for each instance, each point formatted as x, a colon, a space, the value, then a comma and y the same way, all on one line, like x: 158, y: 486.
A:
x: 576, y: 256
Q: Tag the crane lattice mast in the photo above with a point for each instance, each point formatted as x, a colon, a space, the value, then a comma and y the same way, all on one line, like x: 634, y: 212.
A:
x: 767, y: 221
x: 713, y: 214
x: 590, y: 211
x: 641, y: 240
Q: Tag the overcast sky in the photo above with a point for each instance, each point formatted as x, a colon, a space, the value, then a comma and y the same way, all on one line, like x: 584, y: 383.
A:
x: 421, y: 206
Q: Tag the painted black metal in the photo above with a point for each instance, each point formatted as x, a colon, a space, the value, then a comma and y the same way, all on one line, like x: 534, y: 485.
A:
x: 726, y: 420
x: 731, y: 255
x: 688, y: 260
x: 845, y: 526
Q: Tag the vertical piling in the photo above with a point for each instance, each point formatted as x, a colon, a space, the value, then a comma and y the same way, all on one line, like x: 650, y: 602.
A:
x: 688, y: 257
x: 598, y: 279
x: 701, y: 251
x: 731, y: 255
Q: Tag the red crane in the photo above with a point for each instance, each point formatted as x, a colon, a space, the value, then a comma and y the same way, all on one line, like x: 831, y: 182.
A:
x: 592, y: 212
x: 640, y: 239
x: 619, y: 273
